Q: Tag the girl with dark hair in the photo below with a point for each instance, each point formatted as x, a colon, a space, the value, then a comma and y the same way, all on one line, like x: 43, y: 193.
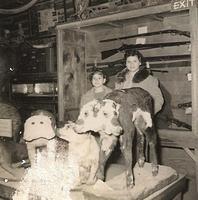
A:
x: 136, y: 75
x: 99, y: 90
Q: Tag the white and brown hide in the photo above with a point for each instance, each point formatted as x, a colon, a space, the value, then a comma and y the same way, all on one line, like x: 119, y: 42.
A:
x: 120, y: 115
x: 99, y: 116
x: 84, y: 150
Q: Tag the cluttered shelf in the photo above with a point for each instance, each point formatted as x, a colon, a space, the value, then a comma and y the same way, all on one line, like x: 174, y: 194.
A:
x: 34, y: 85
x: 30, y: 91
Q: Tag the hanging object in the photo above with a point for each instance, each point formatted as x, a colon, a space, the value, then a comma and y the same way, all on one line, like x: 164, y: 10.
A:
x: 17, y: 10
x: 81, y: 8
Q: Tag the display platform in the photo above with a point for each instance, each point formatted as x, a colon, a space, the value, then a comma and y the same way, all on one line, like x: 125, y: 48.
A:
x: 165, y: 186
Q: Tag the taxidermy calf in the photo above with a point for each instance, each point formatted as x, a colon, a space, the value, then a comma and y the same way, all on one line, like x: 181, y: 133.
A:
x: 136, y: 114
x: 119, y: 115
x: 85, y: 150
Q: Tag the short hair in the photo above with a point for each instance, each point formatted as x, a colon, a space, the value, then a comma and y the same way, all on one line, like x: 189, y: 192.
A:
x: 132, y: 52
x: 99, y: 72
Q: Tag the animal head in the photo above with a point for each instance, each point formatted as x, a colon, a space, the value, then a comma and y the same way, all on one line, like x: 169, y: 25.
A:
x: 99, y: 116
x: 68, y: 133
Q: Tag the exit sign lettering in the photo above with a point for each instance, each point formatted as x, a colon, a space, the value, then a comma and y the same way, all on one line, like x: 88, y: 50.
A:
x: 177, y: 5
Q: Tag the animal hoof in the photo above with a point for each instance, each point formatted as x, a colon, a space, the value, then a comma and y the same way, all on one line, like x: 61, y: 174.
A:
x: 141, y: 162
x: 130, y: 186
x: 100, y: 175
x: 91, y: 181
x: 130, y: 182
x: 155, y: 169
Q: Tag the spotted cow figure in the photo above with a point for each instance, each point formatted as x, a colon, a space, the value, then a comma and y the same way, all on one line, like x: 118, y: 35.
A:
x: 130, y: 110
x: 99, y: 116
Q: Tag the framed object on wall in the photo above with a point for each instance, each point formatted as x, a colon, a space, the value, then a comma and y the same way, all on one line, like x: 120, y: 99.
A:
x: 71, y: 72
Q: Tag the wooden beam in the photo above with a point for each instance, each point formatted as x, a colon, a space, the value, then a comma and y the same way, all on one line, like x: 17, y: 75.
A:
x: 178, y: 138
x: 194, y: 61
x: 157, y: 18
x: 192, y: 155
x: 60, y: 76
x: 116, y: 17
x: 115, y: 24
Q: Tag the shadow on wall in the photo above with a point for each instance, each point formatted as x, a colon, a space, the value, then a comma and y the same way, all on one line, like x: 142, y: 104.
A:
x: 162, y: 118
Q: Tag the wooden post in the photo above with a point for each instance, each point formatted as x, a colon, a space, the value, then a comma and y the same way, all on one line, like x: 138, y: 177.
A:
x: 60, y: 75
x: 194, y: 69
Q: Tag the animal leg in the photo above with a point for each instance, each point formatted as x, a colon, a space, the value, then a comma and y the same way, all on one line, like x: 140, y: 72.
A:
x: 140, y: 127
x: 83, y: 173
x: 126, y: 141
x: 152, y: 140
x: 126, y: 149
x: 140, y: 149
x: 92, y: 177
x: 107, y: 144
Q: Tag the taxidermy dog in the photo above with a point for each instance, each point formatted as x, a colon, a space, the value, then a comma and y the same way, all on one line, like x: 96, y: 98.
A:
x: 84, y: 149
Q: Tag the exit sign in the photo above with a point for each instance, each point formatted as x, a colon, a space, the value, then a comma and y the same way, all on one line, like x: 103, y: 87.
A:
x: 177, y: 5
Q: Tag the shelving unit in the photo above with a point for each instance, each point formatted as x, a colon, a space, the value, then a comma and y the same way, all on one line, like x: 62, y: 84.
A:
x: 35, y: 91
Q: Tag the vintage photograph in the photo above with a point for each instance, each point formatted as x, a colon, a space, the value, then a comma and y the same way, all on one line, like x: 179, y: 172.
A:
x: 98, y: 99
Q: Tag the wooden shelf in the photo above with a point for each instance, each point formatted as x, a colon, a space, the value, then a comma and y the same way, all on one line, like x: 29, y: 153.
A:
x: 178, y: 138
x: 42, y: 95
x: 122, y: 17
x: 34, y: 77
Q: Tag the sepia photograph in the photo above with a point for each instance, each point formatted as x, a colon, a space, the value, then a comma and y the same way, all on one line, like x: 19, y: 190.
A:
x: 98, y: 99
